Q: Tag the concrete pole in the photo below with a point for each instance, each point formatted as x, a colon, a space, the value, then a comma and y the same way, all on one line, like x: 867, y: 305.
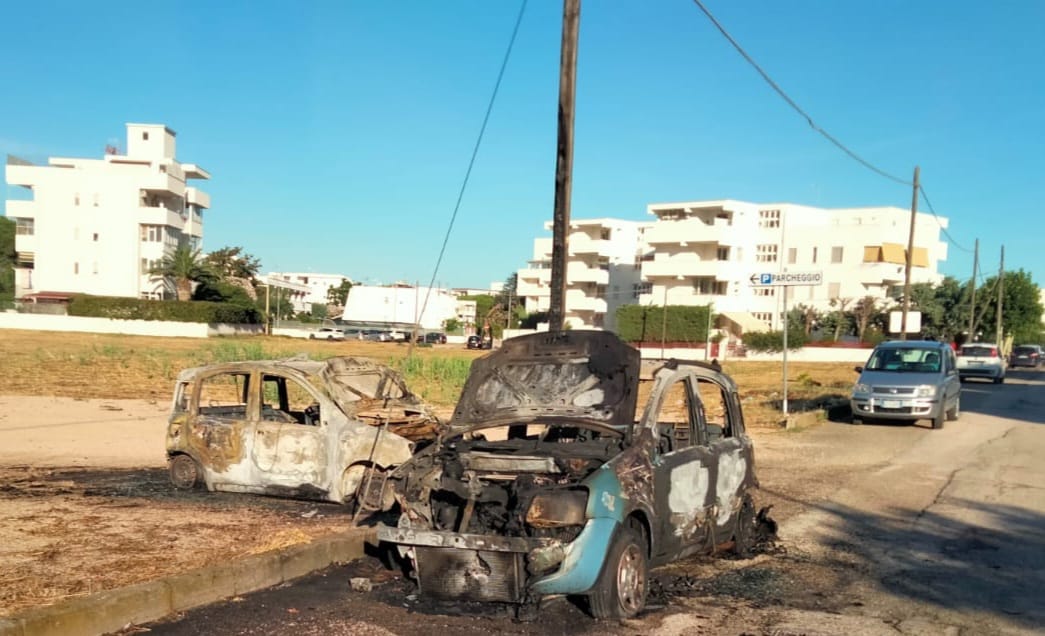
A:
x: 910, y: 258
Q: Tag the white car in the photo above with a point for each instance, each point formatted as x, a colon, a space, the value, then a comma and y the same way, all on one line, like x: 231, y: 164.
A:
x: 981, y: 360
x: 327, y: 333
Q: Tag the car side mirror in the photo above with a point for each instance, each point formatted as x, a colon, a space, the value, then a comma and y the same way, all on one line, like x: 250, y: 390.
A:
x: 858, y: 369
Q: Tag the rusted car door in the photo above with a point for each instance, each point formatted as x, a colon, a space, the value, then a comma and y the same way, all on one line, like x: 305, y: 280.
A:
x: 719, y: 430
x: 290, y: 448
x: 684, y: 471
x: 219, y: 426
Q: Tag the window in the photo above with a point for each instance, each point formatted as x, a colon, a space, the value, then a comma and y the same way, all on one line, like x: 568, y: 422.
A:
x: 834, y: 290
x: 722, y: 253
x: 675, y: 419
x: 765, y: 291
x: 76, y: 199
x: 714, y: 411
x: 95, y: 199
x: 25, y: 227
x: 287, y: 400
x: 94, y: 267
x: 763, y: 316
x: 707, y: 285
x: 792, y: 255
x: 145, y: 136
x: 641, y: 288
x: 814, y: 255
x: 76, y: 268
x: 225, y: 395
x: 836, y: 254
x: 95, y: 237
x: 604, y: 234
x: 152, y: 233
x: 767, y: 253
x: 768, y: 218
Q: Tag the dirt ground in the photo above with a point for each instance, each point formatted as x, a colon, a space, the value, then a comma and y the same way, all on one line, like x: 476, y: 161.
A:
x: 85, y: 504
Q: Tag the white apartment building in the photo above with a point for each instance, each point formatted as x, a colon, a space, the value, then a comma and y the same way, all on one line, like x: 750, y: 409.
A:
x: 96, y: 226
x: 703, y: 252
x: 317, y: 285
x: 602, y: 271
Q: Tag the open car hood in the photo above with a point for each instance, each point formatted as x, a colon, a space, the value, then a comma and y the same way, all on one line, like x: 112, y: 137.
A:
x: 566, y: 375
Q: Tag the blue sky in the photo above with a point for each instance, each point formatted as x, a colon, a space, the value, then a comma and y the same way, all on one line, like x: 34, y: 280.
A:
x: 338, y: 133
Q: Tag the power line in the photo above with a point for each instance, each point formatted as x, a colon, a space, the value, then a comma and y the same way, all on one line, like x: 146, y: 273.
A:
x: 809, y: 119
x: 475, y: 153
x: 946, y: 234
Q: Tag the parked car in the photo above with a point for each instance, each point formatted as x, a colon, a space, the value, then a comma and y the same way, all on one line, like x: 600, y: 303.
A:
x: 908, y: 380
x: 432, y: 337
x: 327, y: 333
x: 378, y: 335
x: 550, y: 481
x: 480, y: 342
x: 298, y: 428
x: 1027, y: 356
x: 355, y: 334
x: 981, y: 360
x: 397, y: 336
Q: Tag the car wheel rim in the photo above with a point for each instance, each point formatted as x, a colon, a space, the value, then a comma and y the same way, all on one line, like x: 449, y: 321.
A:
x: 631, y: 580
x: 184, y: 472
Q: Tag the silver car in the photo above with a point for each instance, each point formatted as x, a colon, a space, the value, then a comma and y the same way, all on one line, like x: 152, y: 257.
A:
x: 908, y: 380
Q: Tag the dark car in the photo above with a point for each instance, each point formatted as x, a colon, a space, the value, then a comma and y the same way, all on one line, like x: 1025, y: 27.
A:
x: 555, y: 479
x: 433, y: 337
x: 475, y: 342
x: 1026, y: 356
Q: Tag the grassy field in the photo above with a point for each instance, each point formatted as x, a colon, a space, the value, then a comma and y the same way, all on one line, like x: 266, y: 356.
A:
x: 116, y: 366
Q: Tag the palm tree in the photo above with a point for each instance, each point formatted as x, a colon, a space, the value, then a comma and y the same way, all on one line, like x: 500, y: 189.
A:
x: 183, y: 266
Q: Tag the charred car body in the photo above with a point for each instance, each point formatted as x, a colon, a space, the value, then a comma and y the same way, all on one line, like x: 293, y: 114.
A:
x: 549, y: 481
x: 296, y: 427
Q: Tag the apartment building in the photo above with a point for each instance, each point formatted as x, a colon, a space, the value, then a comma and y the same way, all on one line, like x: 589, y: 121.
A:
x: 97, y: 226
x: 705, y: 252
x: 317, y: 286
x: 602, y: 271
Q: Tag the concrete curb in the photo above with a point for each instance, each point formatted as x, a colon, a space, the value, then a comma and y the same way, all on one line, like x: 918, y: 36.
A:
x: 112, y: 610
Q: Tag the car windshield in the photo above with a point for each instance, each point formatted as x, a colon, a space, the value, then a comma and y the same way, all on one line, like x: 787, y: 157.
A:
x: 1024, y: 350
x: 906, y: 360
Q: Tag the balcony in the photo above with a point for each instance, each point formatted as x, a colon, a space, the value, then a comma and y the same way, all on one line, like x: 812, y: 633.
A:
x: 21, y: 209
x: 880, y: 273
x: 581, y: 273
x: 581, y: 243
x: 533, y: 274
x: 162, y: 182
x: 579, y: 301
x: 686, y: 268
x: 25, y: 243
x: 691, y: 232
x: 197, y: 197
x: 160, y: 216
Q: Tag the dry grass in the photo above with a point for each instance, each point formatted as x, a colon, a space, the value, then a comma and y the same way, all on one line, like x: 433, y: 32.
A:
x: 115, y: 367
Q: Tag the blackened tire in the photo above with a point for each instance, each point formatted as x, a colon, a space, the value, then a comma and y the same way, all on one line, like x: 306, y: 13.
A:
x: 185, y: 473
x: 622, y: 586
x: 744, y: 532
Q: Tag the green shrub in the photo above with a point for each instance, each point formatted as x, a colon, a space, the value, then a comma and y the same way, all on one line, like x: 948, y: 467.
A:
x: 685, y: 323
x: 173, y: 310
x: 773, y: 341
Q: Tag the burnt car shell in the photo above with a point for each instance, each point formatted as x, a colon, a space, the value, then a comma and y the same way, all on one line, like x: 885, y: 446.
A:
x: 296, y: 427
x: 547, y: 475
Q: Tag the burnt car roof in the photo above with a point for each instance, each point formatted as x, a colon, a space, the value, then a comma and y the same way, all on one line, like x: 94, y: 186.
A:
x: 338, y: 377
x: 571, y: 375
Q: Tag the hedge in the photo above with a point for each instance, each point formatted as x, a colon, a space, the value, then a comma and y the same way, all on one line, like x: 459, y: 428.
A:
x: 173, y: 310
x: 685, y: 323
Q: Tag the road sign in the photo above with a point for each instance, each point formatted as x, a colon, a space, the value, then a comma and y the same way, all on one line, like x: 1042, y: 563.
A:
x: 787, y: 279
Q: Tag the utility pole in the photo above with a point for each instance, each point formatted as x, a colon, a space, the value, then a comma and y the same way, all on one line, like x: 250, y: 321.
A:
x: 1001, y: 290
x: 972, y: 286
x: 910, y: 258
x: 664, y: 322
x: 571, y: 14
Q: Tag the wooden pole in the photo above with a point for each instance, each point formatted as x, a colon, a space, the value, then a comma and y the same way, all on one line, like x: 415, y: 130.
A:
x: 571, y: 12
x: 910, y: 258
x: 972, y: 285
x: 1001, y: 290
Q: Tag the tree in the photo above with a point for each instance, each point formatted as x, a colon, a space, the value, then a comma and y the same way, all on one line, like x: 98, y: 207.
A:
x: 8, y: 257
x: 222, y: 292
x: 838, y: 321
x: 181, y: 268
x: 865, y: 311
x: 1021, y: 308
x: 233, y: 262
x: 338, y: 295
x: 807, y: 316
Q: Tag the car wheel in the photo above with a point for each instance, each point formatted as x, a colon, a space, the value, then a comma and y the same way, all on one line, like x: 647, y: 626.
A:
x: 185, y: 472
x: 620, y: 591
x: 962, y: 379
x: 955, y: 412
x: 857, y: 420
x: 330, y: 337
x: 939, y: 418
x: 744, y: 533
x: 999, y: 380
x: 311, y: 336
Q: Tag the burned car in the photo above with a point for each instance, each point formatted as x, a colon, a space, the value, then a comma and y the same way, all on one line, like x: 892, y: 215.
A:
x: 297, y: 427
x: 549, y: 480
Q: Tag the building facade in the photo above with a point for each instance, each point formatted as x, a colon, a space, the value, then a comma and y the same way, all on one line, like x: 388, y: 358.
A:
x: 400, y: 306
x: 97, y: 226
x: 706, y: 252
x: 317, y: 285
x: 602, y: 271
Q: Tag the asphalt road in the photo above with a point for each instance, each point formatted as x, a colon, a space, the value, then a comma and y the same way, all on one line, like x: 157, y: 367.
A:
x: 885, y: 529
